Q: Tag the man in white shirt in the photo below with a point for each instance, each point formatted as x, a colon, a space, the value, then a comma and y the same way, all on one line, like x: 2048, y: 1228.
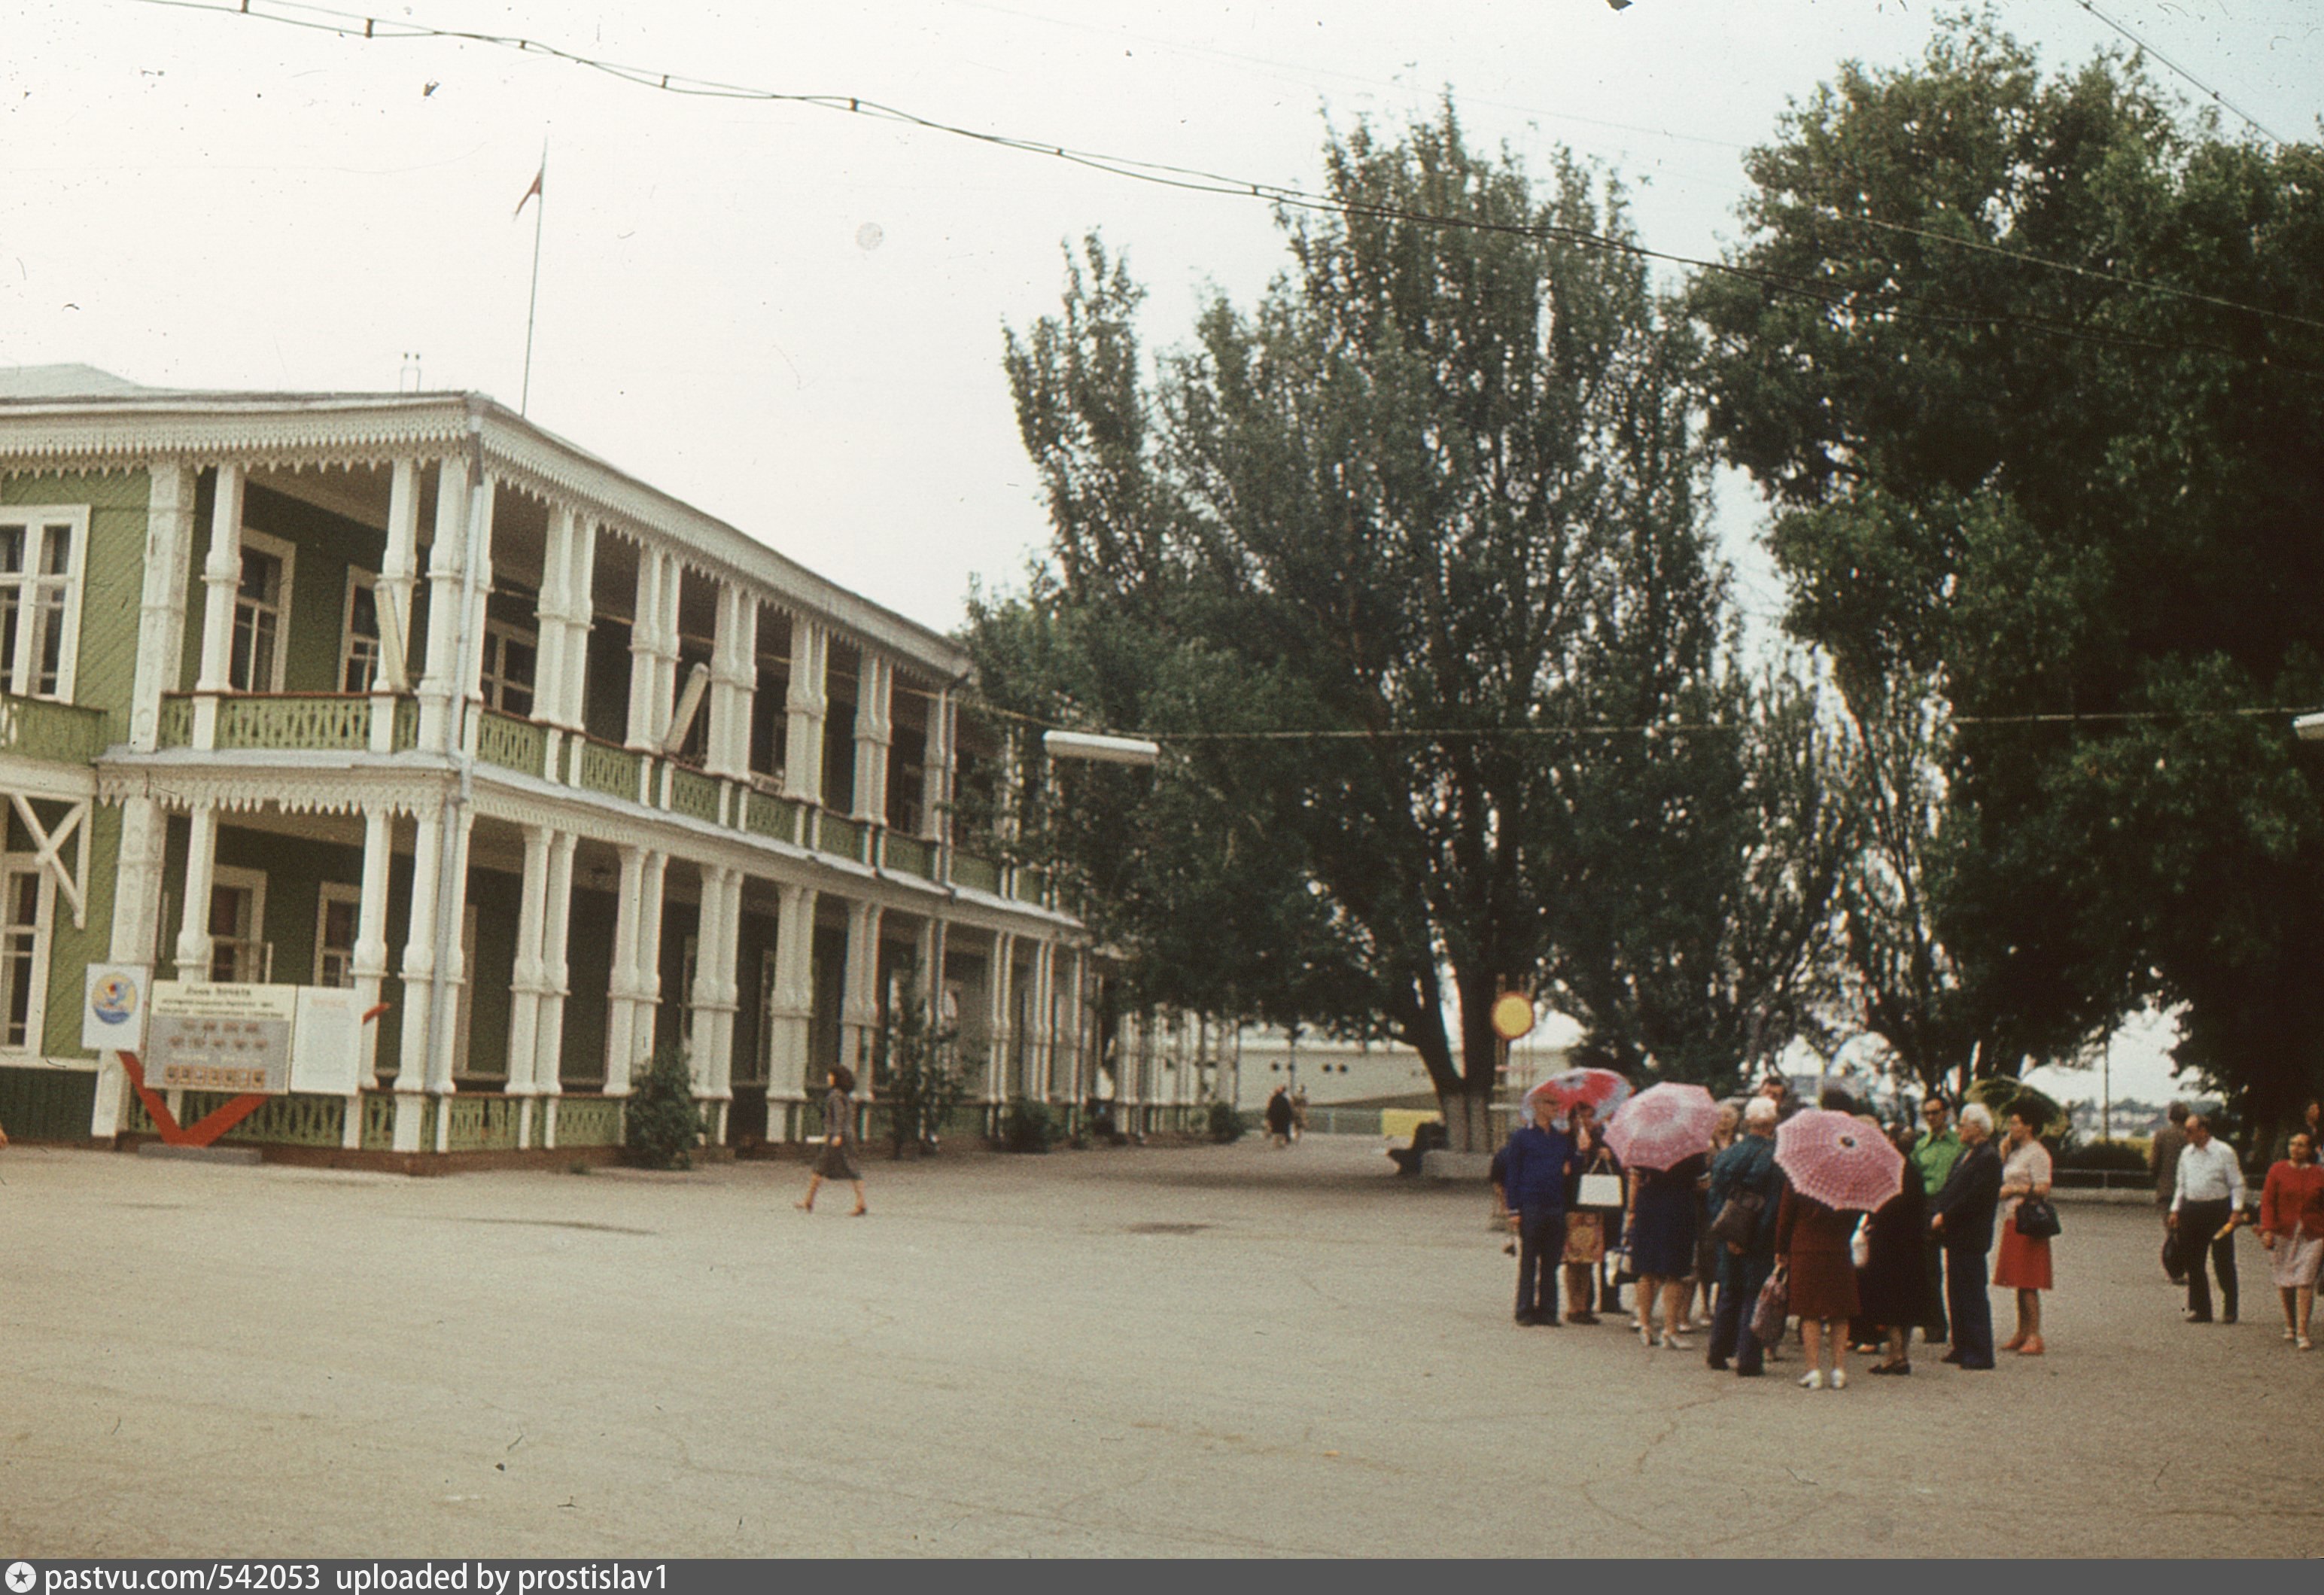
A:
x: 2205, y: 1206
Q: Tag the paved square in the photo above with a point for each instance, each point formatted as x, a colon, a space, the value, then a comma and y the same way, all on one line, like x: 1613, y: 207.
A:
x: 1199, y: 1350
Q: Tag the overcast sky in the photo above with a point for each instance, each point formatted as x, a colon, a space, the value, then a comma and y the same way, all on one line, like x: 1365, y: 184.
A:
x: 792, y: 316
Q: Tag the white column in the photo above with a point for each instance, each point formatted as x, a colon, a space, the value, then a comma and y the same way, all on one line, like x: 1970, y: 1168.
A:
x: 418, y: 974
x: 858, y: 1012
x: 621, y: 1015
x: 1002, y: 1027
x: 441, y: 674
x: 1065, y: 1046
x: 806, y: 703
x: 580, y: 609
x: 734, y: 683
x: 714, y: 991
x: 874, y: 729
x: 528, y: 977
x: 162, y: 609
x: 371, y: 931
x: 476, y: 590
x: 730, y: 992
x: 555, y: 980
x: 703, y: 995
x: 793, y: 1017
x: 936, y: 778
x: 453, y: 960
x: 391, y: 601
x: 1040, y: 1021
x: 648, y: 984
x: 194, y: 906
x: 136, y: 933
x: 653, y: 650
x: 221, y: 576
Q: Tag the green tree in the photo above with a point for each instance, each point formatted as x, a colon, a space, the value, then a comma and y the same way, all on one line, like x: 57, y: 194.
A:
x: 1385, y: 558
x: 917, y: 1076
x: 2030, y: 365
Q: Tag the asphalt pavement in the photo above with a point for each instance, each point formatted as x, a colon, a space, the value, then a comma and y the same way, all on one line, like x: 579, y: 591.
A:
x: 1154, y: 1351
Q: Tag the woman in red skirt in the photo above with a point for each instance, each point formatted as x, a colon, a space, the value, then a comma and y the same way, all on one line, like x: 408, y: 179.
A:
x: 1812, y: 1240
x: 2023, y: 1265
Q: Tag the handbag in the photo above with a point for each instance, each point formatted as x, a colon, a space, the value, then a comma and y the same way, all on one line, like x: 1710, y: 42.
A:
x: 1600, y: 1191
x: 1773, y: 1307
x: 1860, y: 1244
x: 2036, y: 1219
x: 1737, y: 1223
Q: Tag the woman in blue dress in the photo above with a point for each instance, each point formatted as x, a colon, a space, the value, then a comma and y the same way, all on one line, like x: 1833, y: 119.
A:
x: 1666, y: 1210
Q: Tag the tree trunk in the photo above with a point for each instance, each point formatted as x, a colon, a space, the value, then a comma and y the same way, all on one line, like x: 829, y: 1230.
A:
x: 1468, y: 1120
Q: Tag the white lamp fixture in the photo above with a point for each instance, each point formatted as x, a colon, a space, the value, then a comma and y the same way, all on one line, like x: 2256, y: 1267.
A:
x: 2309, y: 727
x: 1101, y: 750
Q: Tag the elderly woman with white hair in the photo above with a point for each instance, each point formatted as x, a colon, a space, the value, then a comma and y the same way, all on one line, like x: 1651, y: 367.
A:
x: 1962, y: 1218
x: 1746, y: 1194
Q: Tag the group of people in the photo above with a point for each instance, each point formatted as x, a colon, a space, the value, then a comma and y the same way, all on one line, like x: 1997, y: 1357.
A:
x: 1728, y: 1218
x: 1286, y: 1115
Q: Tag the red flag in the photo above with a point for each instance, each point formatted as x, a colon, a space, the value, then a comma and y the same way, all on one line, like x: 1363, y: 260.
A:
x: 533, y: 192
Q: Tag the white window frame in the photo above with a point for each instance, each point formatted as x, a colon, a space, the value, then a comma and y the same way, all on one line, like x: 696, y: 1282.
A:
x: 252, y: 881
x: 330, y: 892
x: 287, y: 554
x: 349, y: 638
x: 493, y: 684
x: 44, y: 918
x: 34, y: 519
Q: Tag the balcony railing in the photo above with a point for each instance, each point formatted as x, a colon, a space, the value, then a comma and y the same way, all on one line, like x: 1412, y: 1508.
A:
x: 61, y: 733
x: 341, y: 722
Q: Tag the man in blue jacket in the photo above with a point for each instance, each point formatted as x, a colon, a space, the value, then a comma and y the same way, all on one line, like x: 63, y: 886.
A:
x: 1745, y: 1174
x: 1534, y: 1165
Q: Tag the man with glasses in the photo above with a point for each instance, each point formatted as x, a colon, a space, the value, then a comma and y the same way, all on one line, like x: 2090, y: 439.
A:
x: 1932, y: 1158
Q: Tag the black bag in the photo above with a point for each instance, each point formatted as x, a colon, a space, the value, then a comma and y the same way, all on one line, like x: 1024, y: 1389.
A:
x: 2036, y: 1219
x: 1737, y: 1223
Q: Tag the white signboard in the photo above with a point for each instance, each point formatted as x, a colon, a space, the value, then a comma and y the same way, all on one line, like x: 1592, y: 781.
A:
x: 113, y: 1008
x: 327, y: 1042
x: 205, y: 1036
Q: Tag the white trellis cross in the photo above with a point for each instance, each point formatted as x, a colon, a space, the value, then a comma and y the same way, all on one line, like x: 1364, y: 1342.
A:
x: 47, y: 848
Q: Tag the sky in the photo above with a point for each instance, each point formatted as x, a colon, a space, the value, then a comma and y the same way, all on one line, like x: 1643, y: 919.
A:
x: 791, y: 315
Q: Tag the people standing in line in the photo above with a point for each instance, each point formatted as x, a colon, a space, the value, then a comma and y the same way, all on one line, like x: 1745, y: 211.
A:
x: 1745, y: 1175
x: 2292, y: 1228
x: 2205, y: 1206
x: 838, y: 1134
x: 1585, y: 1227
x: 1812, y: 1240
x: 1660, y: 1229
x: 1278, y: 1116
x: 2162, y: 1160
x: 2023, y: 1265
x: 1963, y: 1218
x: 1893, y: 1285
x: 1932, y: 1154
x: 1538, y: 1159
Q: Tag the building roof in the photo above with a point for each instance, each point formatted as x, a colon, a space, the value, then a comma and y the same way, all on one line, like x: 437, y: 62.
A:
x: 77, y: 414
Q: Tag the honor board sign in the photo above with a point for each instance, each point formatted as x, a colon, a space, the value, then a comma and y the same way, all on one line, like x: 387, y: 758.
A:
x: 214, y: 1036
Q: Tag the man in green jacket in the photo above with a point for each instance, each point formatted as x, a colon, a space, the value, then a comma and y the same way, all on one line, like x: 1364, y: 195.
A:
x: 1934, y: 1157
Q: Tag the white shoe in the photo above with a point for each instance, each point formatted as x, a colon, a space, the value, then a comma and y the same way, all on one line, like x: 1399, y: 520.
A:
x: 1840, y: 1378
x: 1813, y: 1379
x: 1671, y: 1342
x: 2304, y: 1343
x: 1645, y: 1337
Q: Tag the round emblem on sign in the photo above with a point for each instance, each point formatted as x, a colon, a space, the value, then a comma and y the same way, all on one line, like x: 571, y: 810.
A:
x: 114, y: 1000
x: 1512, y: 1015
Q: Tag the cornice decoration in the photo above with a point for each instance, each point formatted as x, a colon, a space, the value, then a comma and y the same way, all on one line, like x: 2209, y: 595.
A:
x: 274, y: 435
x: 320, y: 791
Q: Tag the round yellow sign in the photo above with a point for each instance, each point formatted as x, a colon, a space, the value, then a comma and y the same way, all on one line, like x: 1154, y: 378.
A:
x: 1512, y: 1015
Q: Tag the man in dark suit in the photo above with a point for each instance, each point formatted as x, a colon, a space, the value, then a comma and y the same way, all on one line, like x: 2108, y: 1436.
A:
x: 1962, y: 1218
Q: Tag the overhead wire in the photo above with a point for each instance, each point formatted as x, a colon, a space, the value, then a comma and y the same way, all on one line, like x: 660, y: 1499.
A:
x: 1284, y: 197
x: 2221, y: 99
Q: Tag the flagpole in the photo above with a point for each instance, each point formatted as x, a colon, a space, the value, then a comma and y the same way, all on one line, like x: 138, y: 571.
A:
x: 532, y: 305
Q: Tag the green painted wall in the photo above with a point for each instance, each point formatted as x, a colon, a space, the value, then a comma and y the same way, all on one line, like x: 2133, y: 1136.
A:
x: 589, y: 979
x: 47, y: 1104
x: 112, y: 583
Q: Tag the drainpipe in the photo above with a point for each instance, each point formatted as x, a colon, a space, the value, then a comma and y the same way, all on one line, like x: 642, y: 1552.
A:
x: 448, y: 932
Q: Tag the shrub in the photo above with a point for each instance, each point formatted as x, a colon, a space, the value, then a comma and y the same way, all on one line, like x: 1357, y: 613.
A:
x: 1226, y: 1123
x: 1028, y: 1127
x: 664, y: 1126
x: 916, y: 1079
x: 2118, y: 1157
x: 2001, y: 1092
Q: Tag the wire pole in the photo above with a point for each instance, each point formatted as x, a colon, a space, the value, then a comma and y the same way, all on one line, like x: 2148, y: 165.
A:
x: 532, y: 305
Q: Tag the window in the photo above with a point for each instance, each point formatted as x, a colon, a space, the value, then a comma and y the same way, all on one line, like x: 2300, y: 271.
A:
x: 509, y: 656
x: 335, y: 935
x: 755, y: 1069
x: 40, y: 599
x: 23, y: 899
x: 359, y: 633
x: 262, y: 609
x: 238, y: 947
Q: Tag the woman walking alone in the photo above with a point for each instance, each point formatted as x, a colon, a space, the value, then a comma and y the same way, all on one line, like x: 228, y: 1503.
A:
x: 2292, y: 1228
x: 2023, y: 1265
x: 839, y: 1129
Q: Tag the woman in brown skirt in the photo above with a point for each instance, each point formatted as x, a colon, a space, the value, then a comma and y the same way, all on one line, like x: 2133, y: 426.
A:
x: 1812, y: 1240
x: 839, y: 1127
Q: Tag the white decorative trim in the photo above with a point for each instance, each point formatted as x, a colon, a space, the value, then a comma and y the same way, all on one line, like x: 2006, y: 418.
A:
x: 295, y: 783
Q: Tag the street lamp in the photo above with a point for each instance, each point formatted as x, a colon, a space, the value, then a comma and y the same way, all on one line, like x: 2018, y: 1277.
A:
x: 2309, y: 727
x: 1101, y: 749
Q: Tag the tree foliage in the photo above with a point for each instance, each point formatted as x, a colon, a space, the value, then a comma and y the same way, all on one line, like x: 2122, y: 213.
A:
x: 2030, y: 365
x: 1409, y: 563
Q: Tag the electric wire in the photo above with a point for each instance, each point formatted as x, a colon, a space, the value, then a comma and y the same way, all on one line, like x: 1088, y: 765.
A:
x: 2222, y: 99
x: 1284, y: 197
